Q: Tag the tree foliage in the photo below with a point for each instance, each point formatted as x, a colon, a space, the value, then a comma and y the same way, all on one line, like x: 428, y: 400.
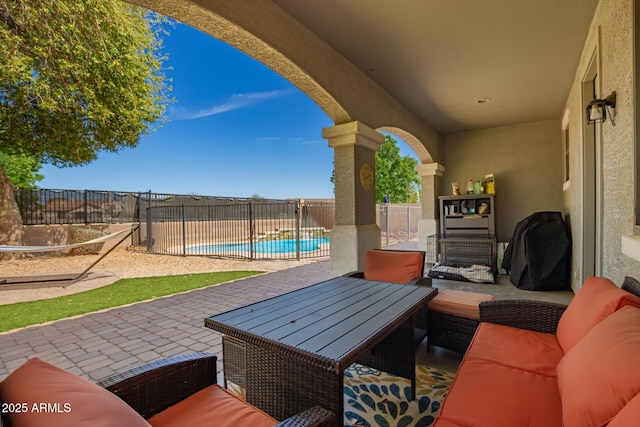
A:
x: 396, y: 175
x: 22, y: 171
x: 78, y: 77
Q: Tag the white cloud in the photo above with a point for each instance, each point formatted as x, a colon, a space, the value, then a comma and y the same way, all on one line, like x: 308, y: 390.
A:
x: 234, y: 102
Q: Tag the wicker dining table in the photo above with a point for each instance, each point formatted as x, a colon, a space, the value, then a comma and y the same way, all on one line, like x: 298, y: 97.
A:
x: 290, y: 352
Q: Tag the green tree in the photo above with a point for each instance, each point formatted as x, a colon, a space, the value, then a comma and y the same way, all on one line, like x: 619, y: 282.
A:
x: 22, y: 171
x: 77, y: 77
x: 396, y: 176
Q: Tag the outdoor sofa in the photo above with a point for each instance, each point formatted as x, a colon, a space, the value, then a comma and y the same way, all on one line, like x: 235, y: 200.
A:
x: 534, y: 363
x: 180, y: 391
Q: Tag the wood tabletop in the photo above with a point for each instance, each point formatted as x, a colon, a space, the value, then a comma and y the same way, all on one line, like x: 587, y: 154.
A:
x: 331, y: 319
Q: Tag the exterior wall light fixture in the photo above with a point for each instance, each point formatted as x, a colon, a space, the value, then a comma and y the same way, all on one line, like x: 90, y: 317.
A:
x: 597, y: 109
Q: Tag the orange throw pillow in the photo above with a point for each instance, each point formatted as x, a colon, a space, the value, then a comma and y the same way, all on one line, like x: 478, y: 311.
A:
x: 393, y: 266
x: 50, y: 396
x: 601, y: 374
x: 629, y: 415
x: 597, y: 299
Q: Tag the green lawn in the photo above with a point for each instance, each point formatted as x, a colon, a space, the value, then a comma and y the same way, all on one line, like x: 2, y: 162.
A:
x: 124, y: 291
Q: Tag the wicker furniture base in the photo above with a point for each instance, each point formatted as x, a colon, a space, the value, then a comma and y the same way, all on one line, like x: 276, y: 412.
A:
x: 453, y: 317
x: 383, y: 357
x: 234, y: 359
x: 396, y: 354
x: 450, y: 331
x: 297, y: 345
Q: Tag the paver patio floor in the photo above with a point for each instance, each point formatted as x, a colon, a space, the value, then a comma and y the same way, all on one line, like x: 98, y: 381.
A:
x: 100, y: 344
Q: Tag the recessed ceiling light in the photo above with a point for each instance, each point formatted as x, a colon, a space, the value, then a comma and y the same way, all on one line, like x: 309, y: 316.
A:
x: 484, y: 100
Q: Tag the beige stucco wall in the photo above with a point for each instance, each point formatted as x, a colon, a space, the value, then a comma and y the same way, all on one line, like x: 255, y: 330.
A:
x: 526, y: 161
x: 611, y: 35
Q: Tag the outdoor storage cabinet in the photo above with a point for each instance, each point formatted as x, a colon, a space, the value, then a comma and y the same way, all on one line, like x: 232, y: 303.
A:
x: 469, y: 214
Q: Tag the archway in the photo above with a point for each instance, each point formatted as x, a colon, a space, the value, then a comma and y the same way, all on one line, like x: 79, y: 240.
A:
x: 430, y: 173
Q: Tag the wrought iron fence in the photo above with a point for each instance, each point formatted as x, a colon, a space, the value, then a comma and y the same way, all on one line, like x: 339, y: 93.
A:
x: 254, y: 230
x: 398, y: 223
x: 40, y: 206
x: 251, y: 228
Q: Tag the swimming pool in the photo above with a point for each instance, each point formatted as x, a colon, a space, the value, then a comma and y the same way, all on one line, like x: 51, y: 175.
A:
x: 286, y: 246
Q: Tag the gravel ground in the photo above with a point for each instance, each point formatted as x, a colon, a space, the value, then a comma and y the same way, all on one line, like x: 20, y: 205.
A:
x: 120, y: 263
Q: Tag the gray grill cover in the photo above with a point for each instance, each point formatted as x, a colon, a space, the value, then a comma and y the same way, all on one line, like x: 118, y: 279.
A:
x: 539, y: 254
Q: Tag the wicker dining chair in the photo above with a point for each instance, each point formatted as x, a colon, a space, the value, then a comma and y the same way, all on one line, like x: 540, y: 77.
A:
x: 147, y: 390
x: 397, y: 266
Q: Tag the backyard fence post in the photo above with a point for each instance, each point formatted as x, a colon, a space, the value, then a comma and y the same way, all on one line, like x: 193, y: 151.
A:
x: 86, y: 215
x: 386, y: 220
x: 408, y: 222
x: 251, y: 230
x: 184, y: 234
x: 298, y: 213
x: 149, y: 198
x: 149, y: 226
x: 139, y: 206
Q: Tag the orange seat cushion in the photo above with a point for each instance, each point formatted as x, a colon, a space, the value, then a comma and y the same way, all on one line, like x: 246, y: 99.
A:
x: 459, y: 303
x: 76, y: 401
x: 441, y: 422
x: 629, y: 415
x: 393, y: 266
x: 485, y: 393
x: 517, y: 348
x: 597, y: 299
x: 212, y: 406
x: 600, y: 374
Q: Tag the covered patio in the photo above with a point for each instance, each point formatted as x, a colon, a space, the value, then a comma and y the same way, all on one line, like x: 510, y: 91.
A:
x: 529, y: 129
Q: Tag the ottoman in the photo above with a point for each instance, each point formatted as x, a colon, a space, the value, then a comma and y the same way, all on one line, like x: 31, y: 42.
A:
x: 453, y: 317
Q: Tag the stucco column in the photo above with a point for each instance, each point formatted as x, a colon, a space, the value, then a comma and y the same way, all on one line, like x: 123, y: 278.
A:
x: 430, y: 175
x: 354, y: 148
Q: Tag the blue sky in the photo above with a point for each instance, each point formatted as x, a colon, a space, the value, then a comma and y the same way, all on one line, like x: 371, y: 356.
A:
x: 236, y: 129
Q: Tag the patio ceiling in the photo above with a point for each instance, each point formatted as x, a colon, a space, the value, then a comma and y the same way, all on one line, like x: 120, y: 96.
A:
x: 439, y: 57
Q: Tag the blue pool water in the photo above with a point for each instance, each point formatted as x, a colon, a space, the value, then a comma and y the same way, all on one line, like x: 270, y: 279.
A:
x: 265, y: 246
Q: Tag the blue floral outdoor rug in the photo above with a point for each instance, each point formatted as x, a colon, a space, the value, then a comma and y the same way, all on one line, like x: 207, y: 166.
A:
x: 373, y: 398
x: 376, y: 399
